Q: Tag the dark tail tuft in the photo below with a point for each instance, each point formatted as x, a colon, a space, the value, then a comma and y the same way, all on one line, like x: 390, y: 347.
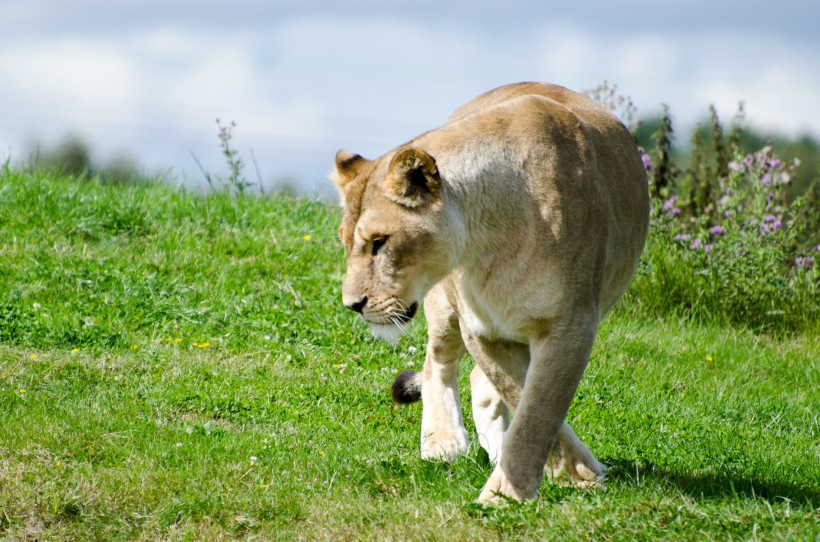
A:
x: 407, y: 387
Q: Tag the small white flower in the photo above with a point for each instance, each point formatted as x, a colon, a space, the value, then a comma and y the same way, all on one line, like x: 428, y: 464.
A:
x: 254, y: 460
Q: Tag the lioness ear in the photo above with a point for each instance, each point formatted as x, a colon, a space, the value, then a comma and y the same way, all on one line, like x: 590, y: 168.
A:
x: 347, y: 167
x: 413, y: 179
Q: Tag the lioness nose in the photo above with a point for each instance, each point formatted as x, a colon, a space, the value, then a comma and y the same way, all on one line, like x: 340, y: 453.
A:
x: 357, y: 305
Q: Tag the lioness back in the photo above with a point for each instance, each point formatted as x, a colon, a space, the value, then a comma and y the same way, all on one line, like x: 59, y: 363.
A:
x: 499, y: 95
x: 558, y: 161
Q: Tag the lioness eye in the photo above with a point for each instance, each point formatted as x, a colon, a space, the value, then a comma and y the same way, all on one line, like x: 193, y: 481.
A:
x: 378, y: 243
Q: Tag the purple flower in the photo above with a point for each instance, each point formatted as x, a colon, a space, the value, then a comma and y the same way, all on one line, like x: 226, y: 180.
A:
x: 717, y: 230
x: 803, y: 261
x: 686, y: 237
x: 770, y: 223
x: 647, y: 162
x: 707, y: 248
x: 696, y: 244
x: 766, y: 180
x: 773, y: 163
x: 727, y: 214
x: 817, y: 248
x: 669, y: 204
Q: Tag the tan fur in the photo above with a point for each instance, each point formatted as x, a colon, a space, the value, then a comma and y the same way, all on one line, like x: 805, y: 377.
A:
x: 519, y: 224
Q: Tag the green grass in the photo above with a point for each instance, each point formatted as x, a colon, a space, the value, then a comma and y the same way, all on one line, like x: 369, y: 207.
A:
x: 179, y: 367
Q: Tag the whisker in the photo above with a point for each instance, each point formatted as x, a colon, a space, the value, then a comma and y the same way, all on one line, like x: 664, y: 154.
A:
x: 398, y: 321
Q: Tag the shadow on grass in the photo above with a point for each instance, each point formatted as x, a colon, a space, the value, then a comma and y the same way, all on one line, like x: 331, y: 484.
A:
x: 710, y: 486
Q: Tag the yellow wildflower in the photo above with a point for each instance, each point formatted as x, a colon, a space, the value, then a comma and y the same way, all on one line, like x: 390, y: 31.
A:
x: 307, y: 237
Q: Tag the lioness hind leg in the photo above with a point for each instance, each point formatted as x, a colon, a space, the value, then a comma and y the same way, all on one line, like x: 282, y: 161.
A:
x: 443, y: 435
x: 491, y: 415
x: 572, y: 458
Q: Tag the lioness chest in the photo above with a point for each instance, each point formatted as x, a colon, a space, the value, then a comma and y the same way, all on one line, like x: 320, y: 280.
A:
x: 500, y: 310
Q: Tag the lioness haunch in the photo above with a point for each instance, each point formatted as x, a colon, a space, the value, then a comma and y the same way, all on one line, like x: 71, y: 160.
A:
x: 518, y: 223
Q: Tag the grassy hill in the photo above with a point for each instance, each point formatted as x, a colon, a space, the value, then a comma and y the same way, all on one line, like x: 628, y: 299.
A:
x: 178, y: 366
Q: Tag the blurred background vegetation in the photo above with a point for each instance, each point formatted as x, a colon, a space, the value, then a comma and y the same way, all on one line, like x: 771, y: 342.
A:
x: 805, y: 148
x: 73, y: 156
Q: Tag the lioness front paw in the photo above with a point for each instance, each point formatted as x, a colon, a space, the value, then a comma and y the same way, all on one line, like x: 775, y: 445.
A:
x: 445, y: 448
x: 572, y: 464
x: 498, y: 486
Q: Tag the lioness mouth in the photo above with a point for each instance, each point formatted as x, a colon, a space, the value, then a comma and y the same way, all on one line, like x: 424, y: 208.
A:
x: 408, y: 314
x: 390, y: 332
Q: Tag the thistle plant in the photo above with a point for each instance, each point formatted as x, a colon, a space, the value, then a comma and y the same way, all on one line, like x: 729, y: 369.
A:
x: 664, y: 169
x: 235, y: 178
x: 725, y: 242
x: 607, y: 96
x: 739, y: 258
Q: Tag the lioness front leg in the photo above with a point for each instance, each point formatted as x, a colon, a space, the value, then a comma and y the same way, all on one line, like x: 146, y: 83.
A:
x: 570, y: 461
x: 442, y: 428
x: 569, y: 455
x: 557, y: 363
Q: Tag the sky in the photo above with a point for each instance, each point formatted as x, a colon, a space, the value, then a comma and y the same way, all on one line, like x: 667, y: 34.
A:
x: 302, y: 79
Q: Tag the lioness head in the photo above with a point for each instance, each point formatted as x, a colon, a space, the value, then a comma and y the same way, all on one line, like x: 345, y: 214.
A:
x: 393, y: 227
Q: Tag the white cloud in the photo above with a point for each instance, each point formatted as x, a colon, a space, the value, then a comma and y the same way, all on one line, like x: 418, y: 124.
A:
x: 564, y: 52
x: 645, y: 57
x: 72, y: 74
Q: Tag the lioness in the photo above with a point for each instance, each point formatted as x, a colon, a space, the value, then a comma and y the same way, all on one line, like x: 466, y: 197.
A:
x: 518, y: 223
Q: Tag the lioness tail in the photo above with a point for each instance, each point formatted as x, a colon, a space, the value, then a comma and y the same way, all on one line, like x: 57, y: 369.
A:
x: 407, y: 387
